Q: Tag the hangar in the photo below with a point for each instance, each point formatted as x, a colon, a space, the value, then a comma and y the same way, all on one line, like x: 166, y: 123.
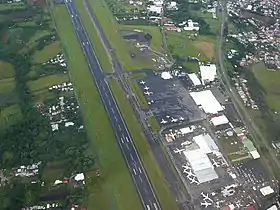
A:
x: 194, y: 78
x: 206, y: 143
x: 208, y: 73
x: 219, y: 120
x: 207, y: 101
x: 201, y: 165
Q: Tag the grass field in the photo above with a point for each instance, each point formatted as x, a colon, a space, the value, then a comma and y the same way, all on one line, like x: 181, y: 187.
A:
x: 94, y: 37
x: 155, y: 174
x: 47, y: 52
x: 230, y: 144
x: 269, y: 80
x: 139, y: 94
x: 214, y: 23
x: 181, y: 45
x: 7, y: 85
x: 116, y: 188
x: 9, y: 116
x: 156, y: 43
x: 47, y: 81
x: 153, y: 123
x: 111, y: 29
x: 6, y: 70
x: 19, y: 5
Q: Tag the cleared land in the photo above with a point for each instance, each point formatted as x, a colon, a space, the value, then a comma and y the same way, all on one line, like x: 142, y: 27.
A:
x: 6, y: 70
x: 115, y: 188
x: 47, y: 52
x: 9, y: 116
x: 111, y: 29
x: 155, y: 174
x: 269, y: 80
x: 153, y: 123
x: 156, y: 42
x: 7, y: 85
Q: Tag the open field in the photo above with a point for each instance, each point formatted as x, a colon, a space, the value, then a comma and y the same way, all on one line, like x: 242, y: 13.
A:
x: 156, y: 43
x: 269, y: 80
x: 6, y: 70
x: 230, y: 144
x: 153, y: 123
x: 111, y: 29
x: 180, y: 44
x: 19, y: 5
x: 47, y: 81
x: 139, y: 94
x: 115, y: 187
x: 7, y: 85
x: 47, y: 52
x: 94, y: 37
x: 9, y: 116
x: 155, y: 174
x: 214, y: 23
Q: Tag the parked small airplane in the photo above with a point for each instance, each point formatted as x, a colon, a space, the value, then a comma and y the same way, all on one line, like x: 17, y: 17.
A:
x: 205, y: 204
x: 189, y: 174
x: 150, y: 102
x: 179, y: 150
x: 174, y: 120
x: 167, y: 116
x: 206, y: 197
x: 215, y: 164
x: 142, y: 82
x: 193, y: 180
x: 186, y: 143
x: 181, y: 118
x: 148, y: 93
x: 163, y: 121
x: 186, y: 167
x: 146, y: 88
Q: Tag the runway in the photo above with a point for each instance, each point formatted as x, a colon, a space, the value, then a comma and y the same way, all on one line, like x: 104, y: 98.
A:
x: 124, y: 139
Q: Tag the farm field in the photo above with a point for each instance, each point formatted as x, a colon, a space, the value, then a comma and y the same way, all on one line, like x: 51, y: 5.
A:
x: 116, y: 187
x: 269, y: 80
x: 155, y: 174
x: 47, y: 52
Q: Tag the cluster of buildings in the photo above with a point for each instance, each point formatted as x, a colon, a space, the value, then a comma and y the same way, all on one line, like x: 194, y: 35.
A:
x: 27, y: 171
x: 242, y: 90
x: 58, y: 59
x: 263, y: 31
x: 64, y: 87
x: 46, y: 206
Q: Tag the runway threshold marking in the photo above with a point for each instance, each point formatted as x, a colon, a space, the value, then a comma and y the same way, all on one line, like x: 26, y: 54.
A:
x: 134, y: 171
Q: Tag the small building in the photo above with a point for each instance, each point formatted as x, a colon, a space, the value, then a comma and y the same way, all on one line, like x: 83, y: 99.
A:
x: 251, y: 148
x: 195, y: 80
x: 219, y: 120
x: 208, y: 73
x: 266, y: 190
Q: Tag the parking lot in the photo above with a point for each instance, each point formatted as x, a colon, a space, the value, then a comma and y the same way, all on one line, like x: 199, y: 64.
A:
x: 169, y: 100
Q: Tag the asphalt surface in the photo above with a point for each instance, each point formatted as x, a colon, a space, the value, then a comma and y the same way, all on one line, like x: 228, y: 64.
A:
x: 125, y: 142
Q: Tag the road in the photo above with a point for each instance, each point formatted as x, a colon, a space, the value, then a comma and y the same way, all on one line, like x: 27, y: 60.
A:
x: 173, y: 180
x: 124, y: 139
x: 259, y: 139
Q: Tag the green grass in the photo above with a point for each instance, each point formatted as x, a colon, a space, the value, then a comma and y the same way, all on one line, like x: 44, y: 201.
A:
x: 111, y: 29
x: 192, y: 66
x: 7, y: 6
x: 180, y: 44
x: 153, y: 123
x: 94, y: 37
x: 230, y: 144
x: 6, y: 70
x: 7, y: 85
x: 269, y: 80
x: 9, y: 116
x: 214, y: 23
x: 155, y: 174
x: 156, y: 42
x: 47, y: 81
x: 139, y: 94
x: 115, y: 189
x: 47, y: 52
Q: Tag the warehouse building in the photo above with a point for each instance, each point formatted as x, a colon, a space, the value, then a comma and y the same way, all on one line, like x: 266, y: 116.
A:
x: 219, y: 120
x: 207, y: 101
x: 208, y: 73
x: 195, y: 80
x: 206, y: 143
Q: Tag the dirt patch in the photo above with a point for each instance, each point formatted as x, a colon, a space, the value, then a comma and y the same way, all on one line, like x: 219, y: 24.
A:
x: 206, y: 47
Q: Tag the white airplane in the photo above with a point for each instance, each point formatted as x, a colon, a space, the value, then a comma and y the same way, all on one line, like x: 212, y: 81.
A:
x: 215, y: 164
x: 186, y: 143
x: 148, y: 93
x: 174, y: 120
x: 178, y: 150
x: 172, y: 135
x: 193, y: 180
x: 205, y: 204
x: 189, y: 174
x: 146, y: 88
x: 142, y: 82
x: 206, y: 197
x: 167, y: 116
x: 186, y: 167
x: 163, y: 121
x: 181, y: 118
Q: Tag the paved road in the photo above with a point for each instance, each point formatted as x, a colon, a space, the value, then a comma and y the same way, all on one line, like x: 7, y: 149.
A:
x: 138, y: 173
x: 173, y: 181
x: 259, y: 138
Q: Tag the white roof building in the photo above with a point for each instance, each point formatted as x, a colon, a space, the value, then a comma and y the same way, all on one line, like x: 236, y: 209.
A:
x: 79, y: 177
x: 220, y: 120
x: 206, y: 143
x: 274, y: 207
x: 194, y: 78
x: 207, y: 101
x: 166, y: 75
x: 187, y: 130
x: 191, y: 26
x: 201, y: 165
x: 208, y: 73
x: 153, y: 8
x: 266, y: 190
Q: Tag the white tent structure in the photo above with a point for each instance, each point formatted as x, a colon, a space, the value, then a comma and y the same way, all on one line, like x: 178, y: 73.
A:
x: 166, y: 75
x: 208, y: 73
x: 201, y: 165
x: 207, y: 101
x: 195, y: 80
x: 220, y: 120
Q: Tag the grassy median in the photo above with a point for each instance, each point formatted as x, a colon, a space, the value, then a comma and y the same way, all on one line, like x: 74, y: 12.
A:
x: 115, y: 189
x: 156, y: 176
